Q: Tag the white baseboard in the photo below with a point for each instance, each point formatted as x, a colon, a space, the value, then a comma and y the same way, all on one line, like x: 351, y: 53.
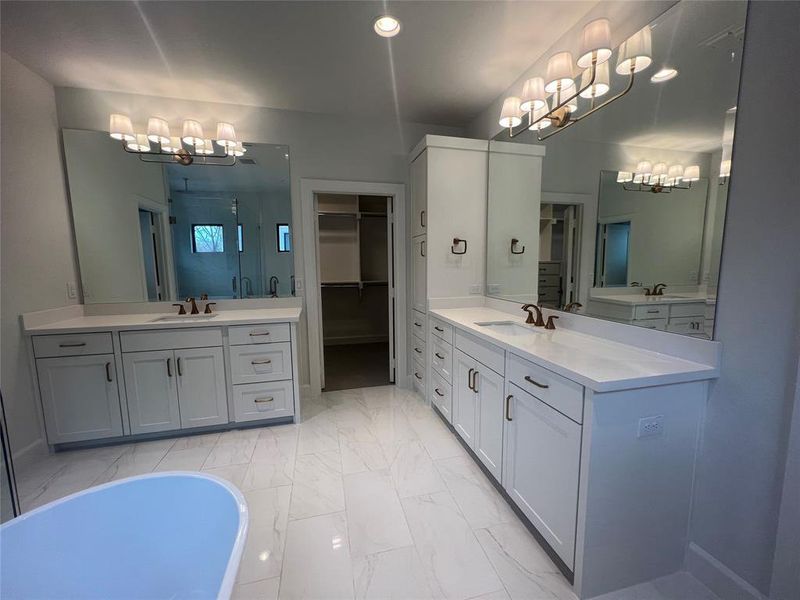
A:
x: 721, y: 580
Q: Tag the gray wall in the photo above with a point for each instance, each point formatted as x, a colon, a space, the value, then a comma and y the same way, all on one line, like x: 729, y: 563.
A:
x: 741, y: 466
x: 38, y: 258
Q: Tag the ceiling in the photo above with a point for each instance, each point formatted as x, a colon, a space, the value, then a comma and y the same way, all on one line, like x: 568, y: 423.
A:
x: 451, y: 60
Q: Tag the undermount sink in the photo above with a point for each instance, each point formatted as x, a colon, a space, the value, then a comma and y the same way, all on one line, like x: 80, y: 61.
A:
x: 182, y: 318
x: 507, y: 328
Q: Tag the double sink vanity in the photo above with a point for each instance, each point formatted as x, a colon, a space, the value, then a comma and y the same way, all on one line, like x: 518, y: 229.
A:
x: 591, y: 440
x: 102, y: 377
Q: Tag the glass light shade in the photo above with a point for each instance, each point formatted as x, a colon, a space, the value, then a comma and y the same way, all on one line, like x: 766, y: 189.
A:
x: 559, y: 71
x: 725, y: 168
x: 600, y: 85
x: 207, y: 147
x: 660, y: 169
x: 140, y: 144
x: 173, y: 145
x: 638, y: 178
x: 566, y: 92
x: 226, y: 135
x: 121, y: 128
x: 236, y: 150
x: 533, y: 95
x: 675, y: 173
x: 158, y: 130
x: 511, y: 115
x: 635, y: 52
x: 544, y: 123
x: 192, y: 132
x: 624, y: 177
x: 644, y: 168
x: 691, y: 173
x: 595, y: 41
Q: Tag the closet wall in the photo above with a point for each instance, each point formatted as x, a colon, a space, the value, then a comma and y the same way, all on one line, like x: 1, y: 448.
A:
x: 354, y: 271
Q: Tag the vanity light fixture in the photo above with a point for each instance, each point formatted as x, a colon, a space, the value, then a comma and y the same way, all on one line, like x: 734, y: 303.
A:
x: 157, y: 145
x: 664, y: 74
x: 559, y: 87
x: 659, y: 177
x: 386, y: 26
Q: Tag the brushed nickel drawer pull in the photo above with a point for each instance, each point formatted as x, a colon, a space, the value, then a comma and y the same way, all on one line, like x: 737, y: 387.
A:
x: 108, y: 372
x: 74, y: 345
x: 263, y: 400
x: 256, y: 334
x: 417, y: 375
x: 439, y: 356
x: 544, y: 386
x: 438, y: 393
x: 261, y: 362
x: 508, y: 407
x: 439, y: 329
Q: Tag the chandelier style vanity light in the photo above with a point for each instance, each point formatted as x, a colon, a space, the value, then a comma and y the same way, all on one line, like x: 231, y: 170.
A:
x: 659, y: 177
x: 158, y: 145
x: 553, y: 100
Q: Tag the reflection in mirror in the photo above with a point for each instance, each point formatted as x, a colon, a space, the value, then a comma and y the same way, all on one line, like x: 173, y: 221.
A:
x: 159, y: 232
x: 634, y: 195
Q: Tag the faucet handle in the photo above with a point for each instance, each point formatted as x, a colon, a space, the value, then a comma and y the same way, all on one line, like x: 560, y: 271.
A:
x: 181, y: 309
x: 550, y: 324
x: 208, y: 307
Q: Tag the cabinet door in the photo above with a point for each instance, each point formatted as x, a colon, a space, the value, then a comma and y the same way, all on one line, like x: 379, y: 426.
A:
x: 465, y: 400
x: 420, y: 274
x: 419, y: 194
x: 152, y: 389
x: 201, y: 387
x: 489, y: 429
x: 541, y: 469
x: 80, y: 398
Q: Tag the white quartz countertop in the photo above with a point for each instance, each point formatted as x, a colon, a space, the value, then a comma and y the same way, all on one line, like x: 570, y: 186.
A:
x: 677, y: 298
x: 599, y: 364
x: 149, y: 321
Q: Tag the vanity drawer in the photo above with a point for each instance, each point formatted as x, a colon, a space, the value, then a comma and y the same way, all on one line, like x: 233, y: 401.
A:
x: 139, y: 341
x: 417, y: 349
x: 549, y: 268
x: 654, y: 311
x: 261, y: 362
x: 659, y: 324
x: 490, y: 355
x: 255, y: 401
x: 417, y: 326
x: 551, y: 388
x: 690, y: 325
x: 418, y: 377
x: 442, y: 358
x: 549, y: 294
x: 690, y: 309
x: 442, y: 396
x: 550, y: 280
x: 240, y: 335
x: 47, y: 346
x: 442, y: 330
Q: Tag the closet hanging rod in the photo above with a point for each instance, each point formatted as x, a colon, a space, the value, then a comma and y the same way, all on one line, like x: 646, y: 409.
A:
x: 354, y: 284
x: 336, y: 214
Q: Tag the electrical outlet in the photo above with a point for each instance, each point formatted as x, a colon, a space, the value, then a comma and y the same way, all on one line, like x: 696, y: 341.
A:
x: 651, y: 426
x: 298, y: 284
x: 72, y: 290
x: 692, y: 275
x: 476, y: 289
x: 494, y: 288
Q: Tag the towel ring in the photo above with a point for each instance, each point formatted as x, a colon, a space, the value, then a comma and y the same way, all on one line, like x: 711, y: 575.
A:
x: 514, y: 242
x: 456, y: 242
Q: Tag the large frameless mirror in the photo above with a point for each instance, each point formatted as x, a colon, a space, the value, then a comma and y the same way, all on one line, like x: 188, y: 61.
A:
x: 629, y: 221
x: 157, y: 232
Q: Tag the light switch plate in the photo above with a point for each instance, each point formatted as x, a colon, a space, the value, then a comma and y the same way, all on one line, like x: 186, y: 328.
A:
x: 72, y: 290
x: 476, y: 289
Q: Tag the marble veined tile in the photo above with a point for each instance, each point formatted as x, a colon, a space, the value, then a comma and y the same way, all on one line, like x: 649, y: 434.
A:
x: 525, y: 570
x: 439, y: 441
x: 232, y: 473
x: 207, y: 440
x: 413, y: 471
x: 186, y: 459
x: 375, y: 519
x: 360, y: 451
x: 317, y: 565
x: 267, y: 474
x: 266, y: 589
x: 231, y: 450
x: 454, y: 562
x: 318, y: 488
x: 138, y: 459
x: 477, y: 498
x: 318, y: 436
x: 266, y: 536
x: 395, y: 574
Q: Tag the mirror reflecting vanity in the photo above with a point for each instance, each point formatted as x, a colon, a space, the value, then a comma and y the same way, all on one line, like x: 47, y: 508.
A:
x: 633, y: 197
x: 149, y: 231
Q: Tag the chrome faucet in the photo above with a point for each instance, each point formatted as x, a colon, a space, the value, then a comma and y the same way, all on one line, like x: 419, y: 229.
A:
x: 538, y: 321
x: 273, y: 287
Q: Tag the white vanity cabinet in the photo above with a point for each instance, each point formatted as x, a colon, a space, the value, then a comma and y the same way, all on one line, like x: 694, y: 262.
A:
x: 152, y: 391
x: 419, y: 195
x: 541, y: 468
x: 80, y: 397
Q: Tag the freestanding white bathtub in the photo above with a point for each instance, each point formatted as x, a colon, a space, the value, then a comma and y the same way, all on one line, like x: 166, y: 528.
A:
x: 166, y: 535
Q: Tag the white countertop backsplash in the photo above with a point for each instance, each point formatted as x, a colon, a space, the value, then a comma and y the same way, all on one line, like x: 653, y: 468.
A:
x: 599, y: 364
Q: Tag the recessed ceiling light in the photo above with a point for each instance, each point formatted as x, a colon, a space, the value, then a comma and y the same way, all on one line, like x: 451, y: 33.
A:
x: 664, y: 75
x: 387, y: 26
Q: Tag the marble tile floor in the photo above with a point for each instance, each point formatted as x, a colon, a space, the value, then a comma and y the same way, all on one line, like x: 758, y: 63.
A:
x: 370, y: 496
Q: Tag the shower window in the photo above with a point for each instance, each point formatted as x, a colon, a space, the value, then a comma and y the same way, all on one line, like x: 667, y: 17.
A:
x: 207, y: 238
x: 284, y: 238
